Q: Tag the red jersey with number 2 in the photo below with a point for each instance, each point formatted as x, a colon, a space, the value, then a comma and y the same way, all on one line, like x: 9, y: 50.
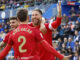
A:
x: 25, y: 42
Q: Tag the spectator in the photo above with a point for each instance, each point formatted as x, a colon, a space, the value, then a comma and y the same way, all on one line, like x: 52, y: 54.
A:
x: 77, y: 26
x: 59, y: 44
x: 64, y: 49
x: 76, y: 56
x: 61, y: 32
x: 65, y: 19
x: 7, y: 26
x: 67, y: 30
x: 76, y: 36
x: 76, y: 47
x: 65, y: 41
x: 72, y: 24
x: 78, y: 19
x: 55, y: 35
x: 73, y: 17
x: 72, y: 11
x: 70, y: 43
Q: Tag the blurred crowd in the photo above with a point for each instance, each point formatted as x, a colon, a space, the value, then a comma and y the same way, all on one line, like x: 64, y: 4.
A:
x: 70, y: 1
x: 4, y: 28
x: 12, y: 4
x: 8, y: 4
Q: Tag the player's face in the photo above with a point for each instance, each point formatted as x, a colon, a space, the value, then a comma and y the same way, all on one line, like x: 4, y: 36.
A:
x: 13, y: 23
x: 36, y: 18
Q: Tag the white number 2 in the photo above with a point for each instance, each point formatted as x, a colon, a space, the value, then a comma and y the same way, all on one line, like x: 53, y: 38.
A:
x: 22, y: 44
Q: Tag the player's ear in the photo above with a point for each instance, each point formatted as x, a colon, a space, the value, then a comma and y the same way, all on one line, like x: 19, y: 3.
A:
x: 17, y: 19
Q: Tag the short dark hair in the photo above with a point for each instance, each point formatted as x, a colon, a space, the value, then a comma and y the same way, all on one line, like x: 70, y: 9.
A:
x: 39, y: 11
x: 22, y: 14
x: 13, y: 18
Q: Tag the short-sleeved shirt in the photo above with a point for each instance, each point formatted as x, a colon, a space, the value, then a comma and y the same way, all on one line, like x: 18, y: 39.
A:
x: 25, y: 42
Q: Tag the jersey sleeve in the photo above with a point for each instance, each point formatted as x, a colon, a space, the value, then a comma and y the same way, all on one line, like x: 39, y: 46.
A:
x: 50, y: 49
x: 38, y: 36
x: 55, y: 24
x: 4, y: 52
x: 10, y: 41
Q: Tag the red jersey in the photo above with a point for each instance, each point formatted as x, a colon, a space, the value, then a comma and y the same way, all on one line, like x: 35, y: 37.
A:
x: 25, y: 42
x: 44, y: 55
x: 5, y: 40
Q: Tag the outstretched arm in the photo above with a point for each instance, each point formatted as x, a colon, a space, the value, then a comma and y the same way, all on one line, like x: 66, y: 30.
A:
x: 50, y: 49
x: 5, y: 52
x: 57, y: 22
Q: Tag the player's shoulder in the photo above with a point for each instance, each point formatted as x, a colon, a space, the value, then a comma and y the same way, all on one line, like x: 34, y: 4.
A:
x: 30, y: 24
x: 10, y: 32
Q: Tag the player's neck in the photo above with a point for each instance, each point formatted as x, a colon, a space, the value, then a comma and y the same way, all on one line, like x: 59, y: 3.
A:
x: 24, y: 22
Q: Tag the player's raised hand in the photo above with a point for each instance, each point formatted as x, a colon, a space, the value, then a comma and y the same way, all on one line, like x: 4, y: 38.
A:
x: 42, y: 26
x: 59, y: 9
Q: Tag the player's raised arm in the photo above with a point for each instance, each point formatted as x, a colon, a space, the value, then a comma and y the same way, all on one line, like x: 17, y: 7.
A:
x: 57, y: 22
x: 5, y: 52
x: 59, y: 9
